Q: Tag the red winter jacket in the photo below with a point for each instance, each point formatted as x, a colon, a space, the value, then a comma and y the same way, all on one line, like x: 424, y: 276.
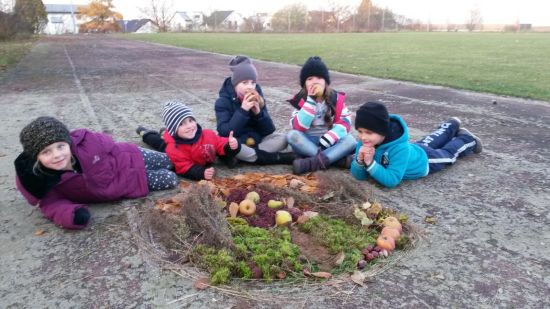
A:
x: 199, y: 154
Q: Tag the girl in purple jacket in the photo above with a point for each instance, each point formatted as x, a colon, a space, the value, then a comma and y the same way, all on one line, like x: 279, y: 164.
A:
x: 61, y: 171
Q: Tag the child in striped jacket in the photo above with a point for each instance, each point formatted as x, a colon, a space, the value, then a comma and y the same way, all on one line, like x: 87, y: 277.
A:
x: 320, y: 123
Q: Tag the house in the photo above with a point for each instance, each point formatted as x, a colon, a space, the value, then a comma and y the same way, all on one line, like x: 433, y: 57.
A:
x: 61, y: 19
x: 224, y: 20
x: 143, y: 25
x: 187, y: 21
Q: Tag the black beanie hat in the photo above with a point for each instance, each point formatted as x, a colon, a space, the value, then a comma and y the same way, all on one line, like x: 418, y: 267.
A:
x: 373, y: 116
x: 314, y: 66
x: 42, y: 132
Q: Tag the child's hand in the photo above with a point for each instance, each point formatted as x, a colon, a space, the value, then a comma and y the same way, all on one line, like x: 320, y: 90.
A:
x: 233, y: 143
x: 315, y: 91
x: 366, y: 154
x: 248, y: 101
x: 209, y: 173
x: 255, y: 108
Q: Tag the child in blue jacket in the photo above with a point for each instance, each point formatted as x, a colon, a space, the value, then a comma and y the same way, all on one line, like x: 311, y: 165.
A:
x: 385, y: 153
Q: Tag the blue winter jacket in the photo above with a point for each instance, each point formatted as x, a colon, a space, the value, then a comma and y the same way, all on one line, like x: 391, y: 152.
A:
x: 393, y: 161
x: 231, y: 117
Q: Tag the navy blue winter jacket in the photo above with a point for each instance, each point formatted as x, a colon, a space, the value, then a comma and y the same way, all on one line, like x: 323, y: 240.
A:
x: 231, y: 117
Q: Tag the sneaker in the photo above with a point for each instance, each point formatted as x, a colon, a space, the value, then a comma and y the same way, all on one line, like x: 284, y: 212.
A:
x: 141, y: 131
x: 457, y: 121
x: 479, y: 146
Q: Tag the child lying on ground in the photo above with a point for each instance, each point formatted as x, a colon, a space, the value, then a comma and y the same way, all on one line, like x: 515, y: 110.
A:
x: 385, y: 153
x: 61, y: 171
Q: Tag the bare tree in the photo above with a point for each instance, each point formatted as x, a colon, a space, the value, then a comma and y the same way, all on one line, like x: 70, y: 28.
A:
x: 339, y: 13
x: 161, y: 12
x: 474, y: 20
x: 291, y: 18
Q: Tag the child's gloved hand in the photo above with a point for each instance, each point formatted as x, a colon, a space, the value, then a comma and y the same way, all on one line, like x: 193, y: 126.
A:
x: 81, y: 216
x: 233, y: 143
x: 209, y: 173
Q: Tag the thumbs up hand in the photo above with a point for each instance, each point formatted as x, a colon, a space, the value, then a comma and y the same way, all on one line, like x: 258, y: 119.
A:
x: 233, y: 143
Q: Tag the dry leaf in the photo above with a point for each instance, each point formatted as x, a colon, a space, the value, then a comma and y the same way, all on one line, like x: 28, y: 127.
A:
x: 295, y: 184
x: 201, y: 283
x: 374, y: 210
x: 281, y: 275
x: 340, y: 258
x: 358, y: 277
x: 430, y: 219
x: 302, y: 219
x: 290, y: 202
x: 321, y: 274
x: 233, y: 209
x: 39, y: 232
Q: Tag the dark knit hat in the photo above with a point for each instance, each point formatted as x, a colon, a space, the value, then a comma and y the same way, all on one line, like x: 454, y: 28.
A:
x: 373, y: 116
x: 242, y: 69
x: 314, y: 66
x: 174, y: 113
x: 42, y: 132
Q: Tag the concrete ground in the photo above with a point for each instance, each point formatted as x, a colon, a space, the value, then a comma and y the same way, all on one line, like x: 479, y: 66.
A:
x: 490, y: 246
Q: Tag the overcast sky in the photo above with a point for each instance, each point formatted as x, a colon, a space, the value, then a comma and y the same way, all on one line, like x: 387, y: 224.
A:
x: 536, y: 12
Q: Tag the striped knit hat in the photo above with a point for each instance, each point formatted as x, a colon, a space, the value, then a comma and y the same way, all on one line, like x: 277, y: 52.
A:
x: 174, y: 113
x: 42, y: 132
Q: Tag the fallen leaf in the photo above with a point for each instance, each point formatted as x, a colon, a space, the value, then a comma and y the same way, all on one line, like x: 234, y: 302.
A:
x: 201, y: 283
x: 302, y: 219
x: 321, y: 274
x: 358, y: 277
x: 290, y: 202
x: 340, y: 258
x: 327, y: 196
x: 281, y: 275
x: 430, y: 219
x: 39, y: 232
x: 366, y: 221
x: 233, y: 209
x: 374, y: 210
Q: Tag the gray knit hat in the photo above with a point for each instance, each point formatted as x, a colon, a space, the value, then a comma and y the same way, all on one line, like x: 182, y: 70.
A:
x: 242, y: 69
x: 174, y: 113
x: 42, y: 132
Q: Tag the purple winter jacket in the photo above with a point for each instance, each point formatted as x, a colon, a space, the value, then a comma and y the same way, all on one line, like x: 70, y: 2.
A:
x: 110, y: 171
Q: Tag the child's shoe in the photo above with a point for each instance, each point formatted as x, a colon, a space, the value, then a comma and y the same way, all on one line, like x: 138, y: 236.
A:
x: 310, y: 164
x: 141, y: 131
x: 479, y: 146
x: 456, y: 121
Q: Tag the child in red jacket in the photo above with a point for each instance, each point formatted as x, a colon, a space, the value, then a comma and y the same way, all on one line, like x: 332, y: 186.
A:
x: 191, y: 148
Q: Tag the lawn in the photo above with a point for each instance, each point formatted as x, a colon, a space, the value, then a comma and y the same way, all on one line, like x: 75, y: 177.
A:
x: 515, y: 64
x: 11, y: 52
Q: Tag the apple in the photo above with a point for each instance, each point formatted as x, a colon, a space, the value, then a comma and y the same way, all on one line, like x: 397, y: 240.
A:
x: 391, y: 232
x: 247, y: 207
x: 282, y: 217
x: 393, y: 223
x: 385, y: 242
x: 253, y: 196
x: 250, y: 142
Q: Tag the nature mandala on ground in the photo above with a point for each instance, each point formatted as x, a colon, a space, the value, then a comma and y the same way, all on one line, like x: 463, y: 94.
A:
x: 281, y: 227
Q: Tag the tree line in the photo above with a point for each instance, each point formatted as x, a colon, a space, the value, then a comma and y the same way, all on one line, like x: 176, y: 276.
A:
x: 26, y: 18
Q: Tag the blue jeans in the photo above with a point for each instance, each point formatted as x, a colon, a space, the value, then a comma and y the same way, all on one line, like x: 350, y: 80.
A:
x: 308, y: 146
x: 443, y: 146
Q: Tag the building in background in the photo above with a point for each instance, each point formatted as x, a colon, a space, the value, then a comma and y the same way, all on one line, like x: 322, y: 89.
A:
x: 143, y: 25
x: 61, y: 19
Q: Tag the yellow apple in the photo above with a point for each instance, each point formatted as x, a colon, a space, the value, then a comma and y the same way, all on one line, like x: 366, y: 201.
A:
x: 282, y: 217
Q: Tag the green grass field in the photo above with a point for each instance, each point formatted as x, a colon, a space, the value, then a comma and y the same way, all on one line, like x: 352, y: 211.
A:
x: 11, y: 52
x: 515, y: 64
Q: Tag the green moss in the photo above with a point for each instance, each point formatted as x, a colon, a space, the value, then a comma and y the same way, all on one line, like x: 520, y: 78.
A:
x: 338, y: 236
x: 270, y: 250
